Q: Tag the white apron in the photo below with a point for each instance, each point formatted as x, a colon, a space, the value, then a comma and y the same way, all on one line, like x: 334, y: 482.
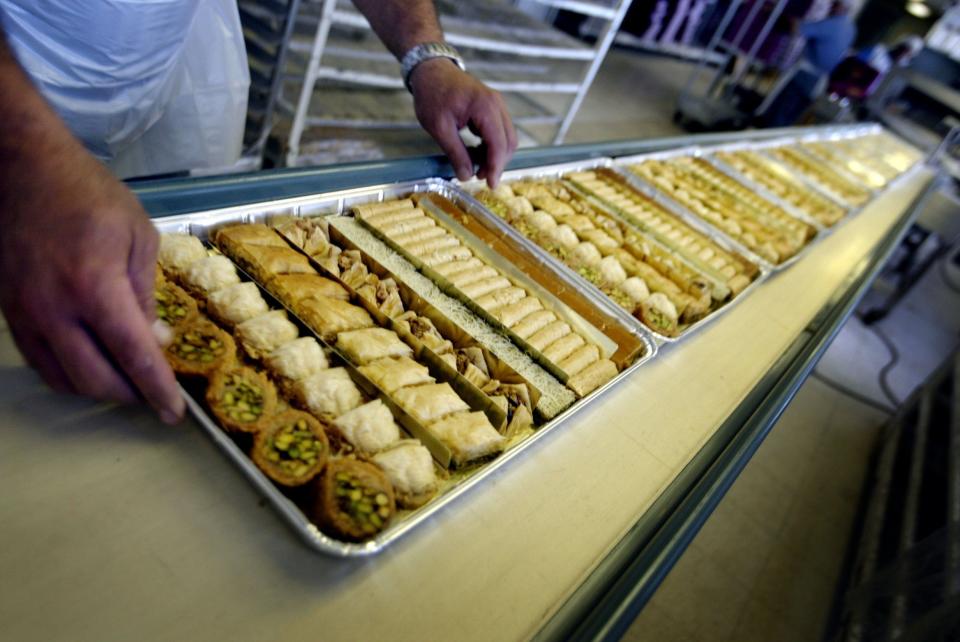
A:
x: 149, y: 86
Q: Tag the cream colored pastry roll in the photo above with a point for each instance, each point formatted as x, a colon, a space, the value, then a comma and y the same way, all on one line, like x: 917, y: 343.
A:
x: 417, y: 237
x: 500, y: 298
x: 533, y: 323
x: 579, y: 359
x: 510, y: 315
x: 406, y: 227
x: 563, y: 347
x: 592, y: 377
x: 481, y: 273
x: 550, y: 333
x: 446, y: 254
x: 477, y: 289
x: 372, y: 210
x: 455, y: 268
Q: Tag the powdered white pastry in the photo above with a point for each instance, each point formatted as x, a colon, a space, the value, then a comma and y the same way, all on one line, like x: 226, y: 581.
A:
x: 178, y: 251
x: 370, y: 427
x: 329, y: 392
x: 209, y: 274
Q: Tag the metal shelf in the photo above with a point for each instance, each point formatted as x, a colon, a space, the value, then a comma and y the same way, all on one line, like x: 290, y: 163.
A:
x: 332, y: 47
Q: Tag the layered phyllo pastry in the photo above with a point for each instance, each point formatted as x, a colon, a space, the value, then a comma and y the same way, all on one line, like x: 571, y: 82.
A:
x: 263, y: 334
x: 468, y: 435
x: 391, y: 374
x: 369, y: 428
x: 429, y: 402
x: 329, y: 317
x: 295, y: 361
x: 409, y: 466
x: 371, y: 344
x: 329, y: 393
x: 179, y: 251
x: 209, y: 274
x: 236, y: 303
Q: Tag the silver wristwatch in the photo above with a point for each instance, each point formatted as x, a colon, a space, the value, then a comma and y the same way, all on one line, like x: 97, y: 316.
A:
x: 424, y: 52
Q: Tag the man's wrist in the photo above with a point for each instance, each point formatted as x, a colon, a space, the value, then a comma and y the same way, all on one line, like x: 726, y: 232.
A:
x: 427, y: 51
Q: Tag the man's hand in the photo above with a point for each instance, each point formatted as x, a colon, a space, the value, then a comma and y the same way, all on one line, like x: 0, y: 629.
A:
x: 78, y: 255
x: 447, y: 99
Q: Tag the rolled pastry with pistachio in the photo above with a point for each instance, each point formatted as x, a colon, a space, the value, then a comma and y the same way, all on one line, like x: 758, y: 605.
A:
x: 291, y: 449
x: 174, y: 306
x: 241, y: 399
x: 355, y: 500
x: 199, y: 348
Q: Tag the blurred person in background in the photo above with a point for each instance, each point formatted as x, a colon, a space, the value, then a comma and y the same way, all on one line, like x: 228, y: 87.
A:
x: 827, y: 43
x: 95, y: 90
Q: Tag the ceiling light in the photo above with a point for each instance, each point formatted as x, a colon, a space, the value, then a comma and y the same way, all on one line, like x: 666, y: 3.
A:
x: 918, y: 9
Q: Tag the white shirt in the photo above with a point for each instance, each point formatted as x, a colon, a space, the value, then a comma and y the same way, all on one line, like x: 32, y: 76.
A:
x: 149, y: 86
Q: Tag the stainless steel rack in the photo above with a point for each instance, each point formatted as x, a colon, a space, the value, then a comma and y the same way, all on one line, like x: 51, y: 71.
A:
x: 331, y: 71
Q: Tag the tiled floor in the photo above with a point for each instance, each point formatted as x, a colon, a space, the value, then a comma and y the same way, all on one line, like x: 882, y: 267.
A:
x: 766, y: 564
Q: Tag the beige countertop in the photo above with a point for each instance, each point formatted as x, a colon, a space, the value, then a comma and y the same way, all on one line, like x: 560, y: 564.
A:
x: 116, y: 527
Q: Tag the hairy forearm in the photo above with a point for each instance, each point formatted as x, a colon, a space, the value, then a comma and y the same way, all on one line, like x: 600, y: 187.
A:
x: 31, y: 133
x: 402, y: 24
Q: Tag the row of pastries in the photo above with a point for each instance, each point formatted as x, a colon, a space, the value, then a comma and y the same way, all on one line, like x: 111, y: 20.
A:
x: 549, y: 338
x: 379, y: 353
x: 850, y: 192
x: 761, y: 227
x: 452, y: 346
x: 638, y: 274
x: 782, y: 183
x: 308, y: 421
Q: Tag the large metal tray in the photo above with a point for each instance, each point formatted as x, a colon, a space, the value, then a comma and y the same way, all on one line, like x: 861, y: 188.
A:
x: 557, y: 172
x: 202, y: 223
x: 621, y: 166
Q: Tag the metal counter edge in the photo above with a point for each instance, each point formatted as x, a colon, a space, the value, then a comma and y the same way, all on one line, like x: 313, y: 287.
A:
x: 166, y: 197
x: 607, y: 602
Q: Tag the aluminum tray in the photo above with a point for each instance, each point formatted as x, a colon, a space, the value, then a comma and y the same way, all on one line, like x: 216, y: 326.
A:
x: 201, y: 223
x: 620, y: 165
x: 732, y: 173
x: 557, y: 172
x: 807, y: 182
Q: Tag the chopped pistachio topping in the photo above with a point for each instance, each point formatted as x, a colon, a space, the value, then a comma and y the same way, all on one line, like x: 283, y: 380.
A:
x: 169, y: 307
x: 294, y: 448
x: 369, y: 508
x: 242, y: 399
x: 198, y: 345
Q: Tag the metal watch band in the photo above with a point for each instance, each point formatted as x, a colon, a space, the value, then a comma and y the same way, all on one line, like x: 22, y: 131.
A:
x: 427, y: 51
